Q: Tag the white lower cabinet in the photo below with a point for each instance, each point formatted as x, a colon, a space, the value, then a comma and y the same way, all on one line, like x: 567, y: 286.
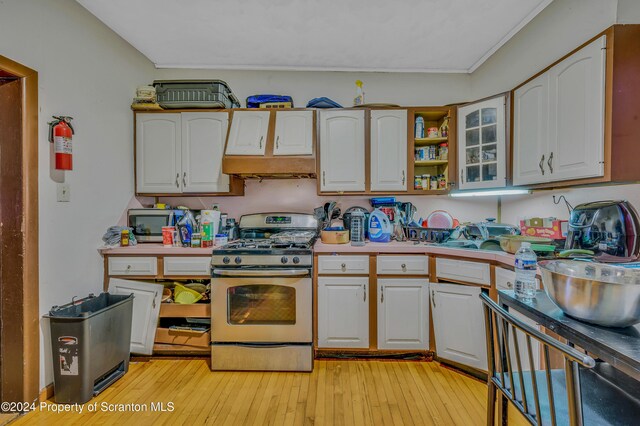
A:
x: 146, y: 310
x: 458, y: 322
x: 403, y: 313
x: 343, y: 312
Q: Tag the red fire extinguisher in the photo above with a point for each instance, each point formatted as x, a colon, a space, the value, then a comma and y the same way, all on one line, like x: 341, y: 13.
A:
x: 60, y: 134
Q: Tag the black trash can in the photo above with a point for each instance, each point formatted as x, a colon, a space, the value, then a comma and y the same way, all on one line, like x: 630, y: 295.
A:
x: 90, y: 343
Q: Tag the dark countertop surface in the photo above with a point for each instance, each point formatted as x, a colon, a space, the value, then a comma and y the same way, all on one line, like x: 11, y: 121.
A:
x: 620, y: 347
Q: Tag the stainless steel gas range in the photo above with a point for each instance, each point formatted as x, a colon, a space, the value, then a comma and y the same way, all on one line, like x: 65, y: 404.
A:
x: 262, y: 295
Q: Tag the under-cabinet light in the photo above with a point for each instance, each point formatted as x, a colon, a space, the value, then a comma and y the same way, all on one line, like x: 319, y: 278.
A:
x: 490, y: 192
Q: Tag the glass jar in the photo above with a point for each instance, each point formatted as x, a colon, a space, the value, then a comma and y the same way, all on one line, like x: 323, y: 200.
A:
x: 417, y: 182
x: 425, y: 181
x: 442, y: 182
x: 434, y: 182
x: 444, y: 151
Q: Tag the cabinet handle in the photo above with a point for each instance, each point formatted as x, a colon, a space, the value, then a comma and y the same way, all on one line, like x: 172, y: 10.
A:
x: 509, y: 284
x: 364, y: 293
x: 403, y: 178
x: 381, y: 294
x: 461, y: 175
x: 154, y: 300
x: 278, y: 142
x: 324, y: 182
x: 433, y: 298
x: 184, y: 179
x: 541, y: 164
x: 343, y: 267
x: 404, y: 267
x: 177, y: 180
x: 550, y: 162
x: 261, y: 137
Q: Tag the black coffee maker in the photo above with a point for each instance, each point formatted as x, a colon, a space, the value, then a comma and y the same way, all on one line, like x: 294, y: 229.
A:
x: 609, y: 227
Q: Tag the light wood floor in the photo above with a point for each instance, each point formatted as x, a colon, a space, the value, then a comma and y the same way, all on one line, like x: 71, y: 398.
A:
x: 337, y: 392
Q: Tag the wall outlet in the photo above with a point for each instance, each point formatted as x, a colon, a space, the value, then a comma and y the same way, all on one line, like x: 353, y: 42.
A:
x: 64, y: 192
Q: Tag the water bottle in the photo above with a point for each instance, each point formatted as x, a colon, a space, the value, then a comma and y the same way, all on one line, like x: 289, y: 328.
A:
x: 526, y: 267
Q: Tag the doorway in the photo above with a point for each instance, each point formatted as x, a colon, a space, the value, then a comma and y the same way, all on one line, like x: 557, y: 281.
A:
x: 19, y: 311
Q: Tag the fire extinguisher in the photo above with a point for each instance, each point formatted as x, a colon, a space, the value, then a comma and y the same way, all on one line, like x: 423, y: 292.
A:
x: 60, y: 135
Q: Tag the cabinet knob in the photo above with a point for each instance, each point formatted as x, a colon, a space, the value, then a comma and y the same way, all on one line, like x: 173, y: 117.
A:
x: 509, y: 284
x: 128, y: 267
x: 343, y: 266
x: 404, y: 267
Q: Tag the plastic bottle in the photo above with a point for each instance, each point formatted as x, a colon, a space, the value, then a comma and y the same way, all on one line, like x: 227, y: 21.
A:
x: 526, y: 266
x: 419, y: 128
x: 359, y: 99
x: 379, y: 227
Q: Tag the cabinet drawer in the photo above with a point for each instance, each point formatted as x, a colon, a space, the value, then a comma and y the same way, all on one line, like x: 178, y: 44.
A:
x: 133, y: 265
x: 402, y: 265
x: 183, y: 337
x: 462, y: 270
x: 200, y: 266
x: 177, y: 310
x: 354, y: 265
x: 505, y: 279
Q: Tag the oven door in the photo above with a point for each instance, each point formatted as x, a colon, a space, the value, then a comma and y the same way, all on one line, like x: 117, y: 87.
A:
x: 258, y: 309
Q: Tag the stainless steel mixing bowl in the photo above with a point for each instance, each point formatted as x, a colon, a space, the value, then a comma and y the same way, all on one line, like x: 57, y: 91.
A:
x: 593, y: 292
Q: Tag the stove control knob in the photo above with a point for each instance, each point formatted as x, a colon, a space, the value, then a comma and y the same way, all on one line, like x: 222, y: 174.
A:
x: 284, y: 259
x: 238, y: 260
x: 296, y: 260
x: 226, y: 260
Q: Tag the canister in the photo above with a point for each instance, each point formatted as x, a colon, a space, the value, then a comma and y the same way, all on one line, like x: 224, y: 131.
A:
x: 167, y: 236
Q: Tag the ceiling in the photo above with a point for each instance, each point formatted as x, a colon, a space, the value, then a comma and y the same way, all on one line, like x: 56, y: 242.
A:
x: 454, y: 36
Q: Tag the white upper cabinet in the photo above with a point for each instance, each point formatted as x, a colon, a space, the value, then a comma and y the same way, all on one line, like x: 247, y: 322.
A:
x: 342, y: 150
x: 389, y: 150
x: 559, y: 120
x: 158, y: 164
x: 576, y: 114
x: 248, y: 134
x: 530, y: 131
x: 482, y: 146
x: 203, y: 136
x: 293, y: 133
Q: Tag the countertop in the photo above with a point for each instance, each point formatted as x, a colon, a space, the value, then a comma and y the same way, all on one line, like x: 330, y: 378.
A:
x: 155, y: 250
x: 620, y: 347
x: 321, y: 248
x: 410, y: 247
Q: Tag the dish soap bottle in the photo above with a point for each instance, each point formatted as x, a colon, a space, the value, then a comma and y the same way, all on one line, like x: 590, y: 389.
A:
x: 359, y: 99
x: 379, y: 227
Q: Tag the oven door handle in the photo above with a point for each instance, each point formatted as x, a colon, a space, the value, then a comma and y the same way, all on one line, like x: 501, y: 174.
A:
x: 261, y: 272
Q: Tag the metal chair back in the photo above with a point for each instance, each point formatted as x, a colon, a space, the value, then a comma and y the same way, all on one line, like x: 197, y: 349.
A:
x: 510, y: 354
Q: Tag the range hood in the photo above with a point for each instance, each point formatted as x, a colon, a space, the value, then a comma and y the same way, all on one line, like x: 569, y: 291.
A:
x: 269, y: 166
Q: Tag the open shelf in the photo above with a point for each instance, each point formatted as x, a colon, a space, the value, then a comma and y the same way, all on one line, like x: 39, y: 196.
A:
x: 427, y: 163
x: 429, y: 141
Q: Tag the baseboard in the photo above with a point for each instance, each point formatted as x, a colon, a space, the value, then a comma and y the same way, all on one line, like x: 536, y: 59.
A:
x: 46, y: 393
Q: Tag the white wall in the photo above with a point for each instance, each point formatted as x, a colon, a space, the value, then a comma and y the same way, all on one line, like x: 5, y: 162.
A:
x: 88, y: 72
x: 399, y: 88
x: 558, y: 29
x: 628, y: 12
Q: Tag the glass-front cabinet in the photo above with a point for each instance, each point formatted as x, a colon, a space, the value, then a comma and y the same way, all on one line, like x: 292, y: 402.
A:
x: 482, y: 146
